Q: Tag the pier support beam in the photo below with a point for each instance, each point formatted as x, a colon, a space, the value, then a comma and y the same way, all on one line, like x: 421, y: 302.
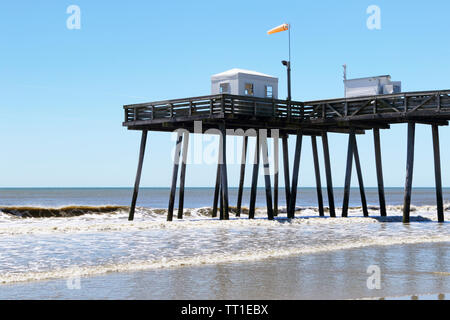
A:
x: 353, y: 153
x: 138, y: 175
x: 348, y: 173
x: 326, y: 154
x: 176, y: 164
x: 360, y: 178
x: 378, y: 162
x: 216, y: 191
x: 409, y: 172
x: 287, y: 184
x: 183, y: 174
x: 437, y: 172
x: 317, y: 172
x: 221, y: 214
x: 223, y: 171
x: 276, y: 165
x: 265, y: 156
x: 251, y: 213
x: 293, y: 195
x: 242, y: 176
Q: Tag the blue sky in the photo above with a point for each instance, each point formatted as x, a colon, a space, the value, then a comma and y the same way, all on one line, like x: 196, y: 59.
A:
x: 62, y: 90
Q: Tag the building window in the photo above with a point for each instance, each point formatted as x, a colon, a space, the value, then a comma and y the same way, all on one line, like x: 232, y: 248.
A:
x: 224, y: 88
x: 269, y: 92
x: 249, y: 89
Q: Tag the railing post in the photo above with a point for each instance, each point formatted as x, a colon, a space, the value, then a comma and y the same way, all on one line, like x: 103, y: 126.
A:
x: 222, y: 104
x: 405, y: 102
x: 211, y: 107
x: 152, y: 109
x: 171, y: 109
x: 232, y: 105
x: 438, y: 98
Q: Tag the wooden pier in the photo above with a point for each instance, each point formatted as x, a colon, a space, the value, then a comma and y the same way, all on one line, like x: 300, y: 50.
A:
x: 262, y: 117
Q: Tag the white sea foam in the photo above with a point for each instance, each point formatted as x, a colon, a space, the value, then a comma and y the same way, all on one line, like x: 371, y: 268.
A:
x: 216, y: 258
x: 150, y: 218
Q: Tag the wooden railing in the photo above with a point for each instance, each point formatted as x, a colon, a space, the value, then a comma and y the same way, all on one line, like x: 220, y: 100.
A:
x: 403, y: 104
x: 214, y: 105
x: 224, y: 105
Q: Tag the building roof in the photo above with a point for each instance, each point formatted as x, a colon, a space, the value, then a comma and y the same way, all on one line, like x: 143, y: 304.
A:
x: 236, y: 71
x: 365, y: 78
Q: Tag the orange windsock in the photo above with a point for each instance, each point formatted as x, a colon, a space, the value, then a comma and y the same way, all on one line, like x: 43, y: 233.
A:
x: 283, y: 27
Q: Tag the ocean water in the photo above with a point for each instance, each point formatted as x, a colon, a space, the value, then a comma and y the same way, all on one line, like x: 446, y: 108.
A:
x: 79, y: 244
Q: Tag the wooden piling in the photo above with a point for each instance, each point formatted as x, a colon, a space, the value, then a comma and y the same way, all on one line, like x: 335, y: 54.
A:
x: 216, y: 191
x: 138, y: 175
x: 317, y: 173
x: 176, y: 163
x: 293, y: 195
x: 437, y: 172
x: 276, y: 167
x: 222, y: 210
x: 183, y: 175
x: 242, y: 176
x: 326, y: 154
x: 379, y: 166
x: 360, y: 178
x: 287, y: 184
x: 348, y: 173
x: 409, y: 172
x: 223, y: 171
x: 251, y: 212
x: 265, y: 156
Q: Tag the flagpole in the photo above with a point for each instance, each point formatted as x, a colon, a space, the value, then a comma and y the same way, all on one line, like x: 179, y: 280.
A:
x: 289, y: 64
x: 289, y: 30
x: 284, y: 27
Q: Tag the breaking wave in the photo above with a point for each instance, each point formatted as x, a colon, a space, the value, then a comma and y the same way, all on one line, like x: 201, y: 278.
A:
x: 62, y: 212
x: 110, y: 218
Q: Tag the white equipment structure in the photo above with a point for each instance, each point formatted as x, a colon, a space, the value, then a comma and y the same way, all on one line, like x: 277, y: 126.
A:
x: 245, y: 83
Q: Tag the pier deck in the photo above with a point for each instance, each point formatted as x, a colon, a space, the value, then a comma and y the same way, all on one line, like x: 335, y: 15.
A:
x: 334, y: 115
x: 308, y: 118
